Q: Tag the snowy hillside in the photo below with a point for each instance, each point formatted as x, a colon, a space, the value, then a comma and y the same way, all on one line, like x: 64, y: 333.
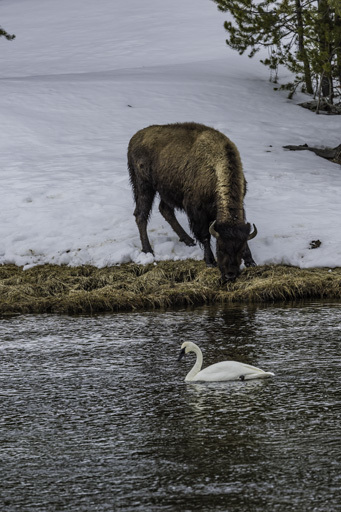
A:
x: 83, y: 76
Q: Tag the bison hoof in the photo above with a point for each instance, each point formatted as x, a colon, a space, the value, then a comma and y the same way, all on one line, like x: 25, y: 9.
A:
x: 188, y: 241
x: 148, y: 251
x: 250, y: 263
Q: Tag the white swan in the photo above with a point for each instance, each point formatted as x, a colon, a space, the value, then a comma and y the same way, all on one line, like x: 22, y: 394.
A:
x: 226, y: 370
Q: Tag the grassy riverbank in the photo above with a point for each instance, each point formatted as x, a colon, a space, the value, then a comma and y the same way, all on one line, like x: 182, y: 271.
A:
x: 80, y: 290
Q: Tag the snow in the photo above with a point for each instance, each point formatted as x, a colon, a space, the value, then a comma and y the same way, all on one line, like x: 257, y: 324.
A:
x: 83, y: 76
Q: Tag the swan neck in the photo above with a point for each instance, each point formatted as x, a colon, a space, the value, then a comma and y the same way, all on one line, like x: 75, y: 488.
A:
x: 197, y: 365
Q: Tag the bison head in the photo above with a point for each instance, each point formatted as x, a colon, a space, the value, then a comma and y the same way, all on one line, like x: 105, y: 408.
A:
x: 231, y: 244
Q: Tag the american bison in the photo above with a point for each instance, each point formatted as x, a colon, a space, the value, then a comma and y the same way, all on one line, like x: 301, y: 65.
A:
x: 196, y: 169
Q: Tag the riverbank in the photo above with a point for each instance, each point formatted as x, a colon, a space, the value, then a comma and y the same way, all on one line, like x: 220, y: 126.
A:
x: 129, y: 287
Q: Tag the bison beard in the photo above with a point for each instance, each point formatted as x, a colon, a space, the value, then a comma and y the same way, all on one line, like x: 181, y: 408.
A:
x: 196, y: 169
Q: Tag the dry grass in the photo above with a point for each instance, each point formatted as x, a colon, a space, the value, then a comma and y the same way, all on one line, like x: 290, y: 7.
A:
x: 61, y: 289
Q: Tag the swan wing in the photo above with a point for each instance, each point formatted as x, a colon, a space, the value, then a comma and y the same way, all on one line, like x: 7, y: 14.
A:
x: 230, y: 370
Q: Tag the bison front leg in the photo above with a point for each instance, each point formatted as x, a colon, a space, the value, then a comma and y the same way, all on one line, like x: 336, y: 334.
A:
x: 247, y: 257
x: 200, y: 228
x: 208, y: 254
x: 168, y: 213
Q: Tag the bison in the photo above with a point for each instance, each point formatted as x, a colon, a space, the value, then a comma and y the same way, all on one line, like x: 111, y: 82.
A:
x: 196, y: 169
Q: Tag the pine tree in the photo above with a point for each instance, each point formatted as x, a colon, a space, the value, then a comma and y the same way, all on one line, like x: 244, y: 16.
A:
x: 302, y: 35
x: 336, y: 4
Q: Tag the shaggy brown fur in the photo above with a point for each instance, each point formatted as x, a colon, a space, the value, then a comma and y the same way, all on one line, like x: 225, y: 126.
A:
x: 196, y: 169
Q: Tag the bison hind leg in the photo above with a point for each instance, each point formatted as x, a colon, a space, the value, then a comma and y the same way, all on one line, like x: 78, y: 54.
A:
x: 144, y: 201
x: 168, y: 213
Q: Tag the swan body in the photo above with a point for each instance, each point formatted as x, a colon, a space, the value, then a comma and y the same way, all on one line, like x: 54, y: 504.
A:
x: 224, y: 371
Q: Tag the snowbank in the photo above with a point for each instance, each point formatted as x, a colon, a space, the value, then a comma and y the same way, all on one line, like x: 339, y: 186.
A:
x: 83, y: 76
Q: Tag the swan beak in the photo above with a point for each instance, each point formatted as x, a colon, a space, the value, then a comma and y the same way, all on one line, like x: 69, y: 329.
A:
x: 182, y: 353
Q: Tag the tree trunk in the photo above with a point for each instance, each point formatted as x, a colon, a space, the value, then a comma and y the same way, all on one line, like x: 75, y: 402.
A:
x: 326, y: 87
x: 338, y: 48
x: 302, y: 54
x: 325, y: 26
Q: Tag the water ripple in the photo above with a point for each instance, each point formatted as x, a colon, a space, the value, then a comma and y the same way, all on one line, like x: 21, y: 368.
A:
x: 95, y: 413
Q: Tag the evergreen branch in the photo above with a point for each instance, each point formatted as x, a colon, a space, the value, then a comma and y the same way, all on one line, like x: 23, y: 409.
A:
x: 5, y: 34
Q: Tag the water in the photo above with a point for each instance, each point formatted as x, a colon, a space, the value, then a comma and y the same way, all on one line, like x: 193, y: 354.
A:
x: 96, y: 416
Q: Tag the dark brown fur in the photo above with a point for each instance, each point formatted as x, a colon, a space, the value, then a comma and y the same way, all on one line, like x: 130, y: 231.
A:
x: 196, y: 169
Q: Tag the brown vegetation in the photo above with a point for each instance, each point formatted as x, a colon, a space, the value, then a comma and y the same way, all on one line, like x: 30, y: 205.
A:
x: 88, y: 290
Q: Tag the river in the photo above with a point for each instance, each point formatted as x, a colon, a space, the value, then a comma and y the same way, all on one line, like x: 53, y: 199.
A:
x: 96, y: 416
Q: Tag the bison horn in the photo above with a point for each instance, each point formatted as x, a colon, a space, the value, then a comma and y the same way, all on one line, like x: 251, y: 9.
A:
x: 253, y: 234
x: 212, y: 230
